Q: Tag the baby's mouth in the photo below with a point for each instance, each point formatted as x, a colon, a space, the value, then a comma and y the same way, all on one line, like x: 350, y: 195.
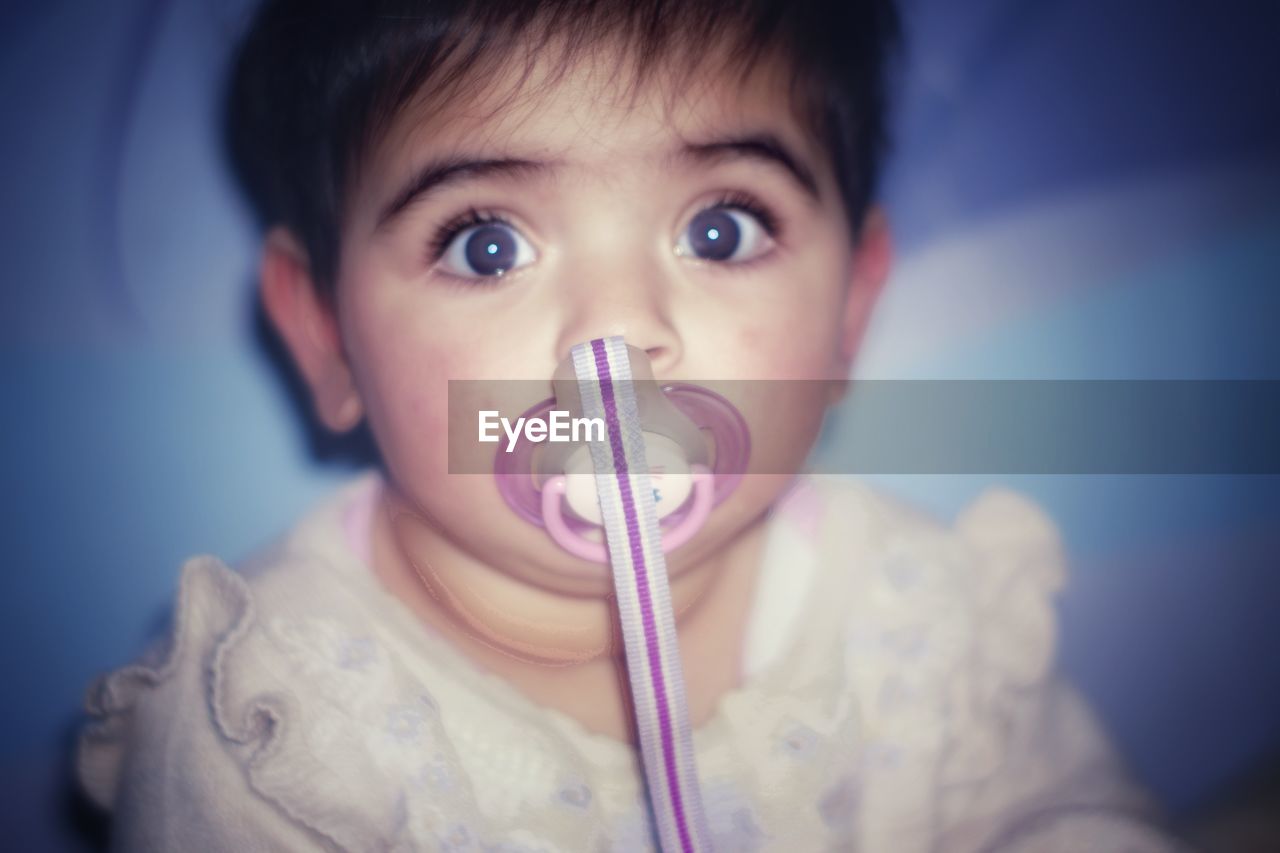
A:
x: 693, y: 442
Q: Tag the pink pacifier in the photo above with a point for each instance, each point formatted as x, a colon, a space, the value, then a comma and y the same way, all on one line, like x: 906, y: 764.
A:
x: 696, y: 443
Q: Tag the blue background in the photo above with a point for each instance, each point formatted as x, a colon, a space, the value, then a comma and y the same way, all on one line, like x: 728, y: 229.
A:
x: 1079, y: 189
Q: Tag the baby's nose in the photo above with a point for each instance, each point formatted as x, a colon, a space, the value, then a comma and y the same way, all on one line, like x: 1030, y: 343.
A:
x: 634, y: 303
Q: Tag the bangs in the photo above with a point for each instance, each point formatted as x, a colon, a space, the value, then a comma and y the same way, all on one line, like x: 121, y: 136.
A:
x: 432, y: 69
x: 317, y: 85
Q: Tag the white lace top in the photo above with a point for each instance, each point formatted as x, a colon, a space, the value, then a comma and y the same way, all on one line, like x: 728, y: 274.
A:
x: 896, y: 697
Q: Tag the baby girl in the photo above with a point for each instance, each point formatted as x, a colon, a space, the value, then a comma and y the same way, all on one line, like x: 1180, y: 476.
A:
x: 470, y: 191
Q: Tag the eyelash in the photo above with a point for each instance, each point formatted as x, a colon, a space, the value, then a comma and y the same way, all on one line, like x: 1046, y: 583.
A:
x: 748, y: 203
x: 472, y: 217
x: 469, y: 218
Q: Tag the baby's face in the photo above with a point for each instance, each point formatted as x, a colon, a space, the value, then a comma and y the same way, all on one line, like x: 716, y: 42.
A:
x: 485, y: 240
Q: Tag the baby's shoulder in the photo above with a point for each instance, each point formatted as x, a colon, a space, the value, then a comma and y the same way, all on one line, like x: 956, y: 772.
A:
x: 910, y: 593
x: 947, y: 651
x: 998, y: 539
x: 225, y: 630
x: 995, y: 519
x: 257, y: 667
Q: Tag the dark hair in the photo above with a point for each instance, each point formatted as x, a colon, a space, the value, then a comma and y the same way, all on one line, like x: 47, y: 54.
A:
x: 317, y: 82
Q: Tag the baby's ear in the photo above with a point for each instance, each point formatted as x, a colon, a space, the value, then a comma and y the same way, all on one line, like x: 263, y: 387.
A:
x: 872, y: 259
x: 307, y: 324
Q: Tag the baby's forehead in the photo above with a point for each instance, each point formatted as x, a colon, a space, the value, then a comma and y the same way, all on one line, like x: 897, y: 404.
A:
x: 589, y: 110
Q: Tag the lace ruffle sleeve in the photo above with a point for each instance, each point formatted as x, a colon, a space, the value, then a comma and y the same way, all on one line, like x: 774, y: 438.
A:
x: 151, y: 753
x: 1027, y: 765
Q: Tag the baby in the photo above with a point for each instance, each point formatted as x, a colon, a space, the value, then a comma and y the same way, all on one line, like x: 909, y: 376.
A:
x: 466, y: 191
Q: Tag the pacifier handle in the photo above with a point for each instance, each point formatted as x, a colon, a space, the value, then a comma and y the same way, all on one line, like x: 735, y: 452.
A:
x: 570, y: 540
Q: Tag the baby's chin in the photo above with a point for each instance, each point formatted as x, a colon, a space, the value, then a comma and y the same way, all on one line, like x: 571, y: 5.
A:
x: 472, y: 523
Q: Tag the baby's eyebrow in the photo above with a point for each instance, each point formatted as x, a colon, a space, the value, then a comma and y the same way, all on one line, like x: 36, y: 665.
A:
x: 436, y: 174
x: 764, y: 146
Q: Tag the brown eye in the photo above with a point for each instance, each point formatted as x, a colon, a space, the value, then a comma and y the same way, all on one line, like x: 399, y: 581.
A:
x: 724, y: 234
x: 486, y: 250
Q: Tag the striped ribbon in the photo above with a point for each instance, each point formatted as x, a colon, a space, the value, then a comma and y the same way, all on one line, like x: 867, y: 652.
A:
x: 644, y: 599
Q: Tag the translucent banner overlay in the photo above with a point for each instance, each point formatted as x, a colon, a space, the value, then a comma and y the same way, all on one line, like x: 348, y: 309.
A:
x: 940, y: 426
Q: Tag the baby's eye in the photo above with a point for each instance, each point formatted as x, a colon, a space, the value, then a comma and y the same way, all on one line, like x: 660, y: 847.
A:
x: 485, y: 250
x: 725, y: 233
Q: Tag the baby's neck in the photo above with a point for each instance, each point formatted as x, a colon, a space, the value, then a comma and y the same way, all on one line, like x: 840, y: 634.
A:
x: 563, y: 651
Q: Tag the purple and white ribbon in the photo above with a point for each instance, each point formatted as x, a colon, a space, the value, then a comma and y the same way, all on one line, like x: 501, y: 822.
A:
x: 603, y: 370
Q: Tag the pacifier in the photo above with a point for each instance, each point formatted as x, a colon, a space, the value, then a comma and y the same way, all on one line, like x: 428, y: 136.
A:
x: 696, y: 444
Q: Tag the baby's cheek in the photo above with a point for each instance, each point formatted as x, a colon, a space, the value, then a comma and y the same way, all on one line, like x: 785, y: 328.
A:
x: 409, y: 415
x: 794, y: 352
x: 749, y: 336
x: 416, y: 430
